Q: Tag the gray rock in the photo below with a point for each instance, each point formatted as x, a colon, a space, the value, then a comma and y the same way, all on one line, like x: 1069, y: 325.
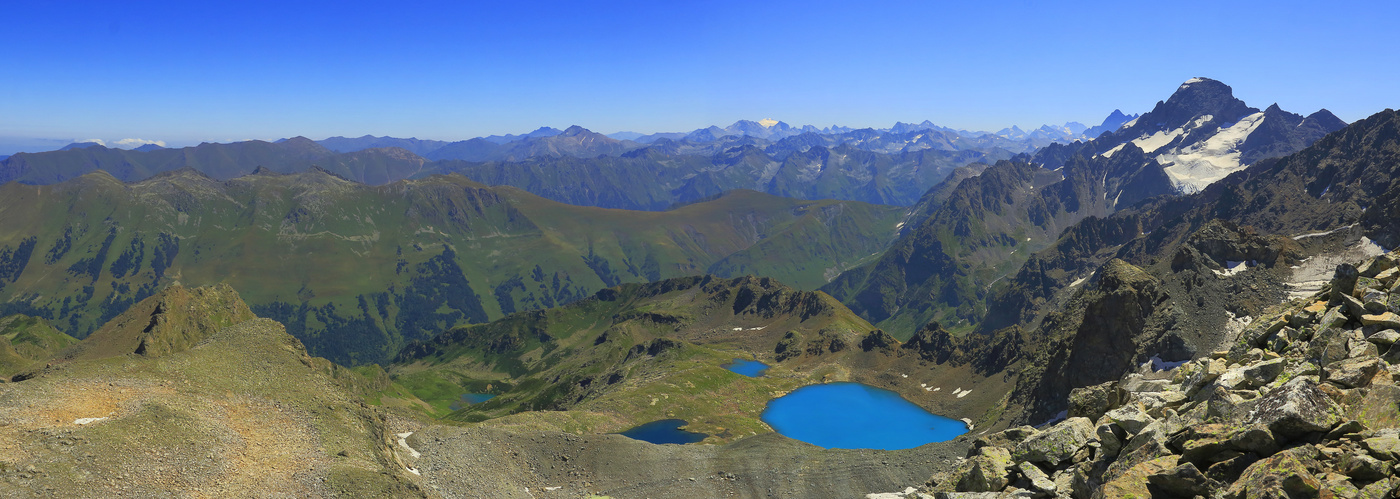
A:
x: 1093, y: 401
x: 1131, y: 418
x: 1057, y: 444
x: 1183, y: 481
x: 1111, y: 438
x: 1385, y: 338
x: 1363, y: 467
x: 1295, y: 409
x: 989, y: 471
x: 1386, y: 446
x: 1353, y: 373
x: 1381, y: 489
x: 1358, y: 348
x: 1039, y: 480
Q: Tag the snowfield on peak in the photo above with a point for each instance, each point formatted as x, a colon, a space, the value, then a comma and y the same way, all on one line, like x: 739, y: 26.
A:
x: 1194, y: 167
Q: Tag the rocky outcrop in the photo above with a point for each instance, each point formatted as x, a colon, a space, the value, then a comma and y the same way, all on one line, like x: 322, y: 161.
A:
x: 1304, y: 404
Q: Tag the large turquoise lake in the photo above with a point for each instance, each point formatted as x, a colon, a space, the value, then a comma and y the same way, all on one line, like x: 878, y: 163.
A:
x: 856, y: 416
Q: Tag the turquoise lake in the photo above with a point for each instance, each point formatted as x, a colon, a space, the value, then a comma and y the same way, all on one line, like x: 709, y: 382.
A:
x: 856, y: 416
x: 666, y: 431
x: 750, y: 368
x: 471, y: 398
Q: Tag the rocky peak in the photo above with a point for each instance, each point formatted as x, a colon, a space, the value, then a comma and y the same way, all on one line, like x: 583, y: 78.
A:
x: 1196, y: 98
x: 1303, y: 403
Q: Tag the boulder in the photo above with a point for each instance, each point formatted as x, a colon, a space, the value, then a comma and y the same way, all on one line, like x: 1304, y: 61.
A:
x: 1352, y: 373
x: 1093, y: 401
x: 1132, y: 483
x: 1385, y: 446
x: 1183, y: 481
x: 989, y: 471
x: 1039, y: 481
x: 1131, y: 418
x: 1388, y: 320
x: 1363, y: 467
x: 1229, y: 470
x: 1344, y: 279
x: 1384, y: 338
x: 1295, y: 409
x: 1282, y: 475
x: 1381, y: 489
x: 1057, y: 444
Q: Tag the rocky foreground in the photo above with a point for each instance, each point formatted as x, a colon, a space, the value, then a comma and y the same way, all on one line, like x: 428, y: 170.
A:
x: 1304, y: 405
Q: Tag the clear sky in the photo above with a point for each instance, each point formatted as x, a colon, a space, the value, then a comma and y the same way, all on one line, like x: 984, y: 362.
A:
x: 190, y: 71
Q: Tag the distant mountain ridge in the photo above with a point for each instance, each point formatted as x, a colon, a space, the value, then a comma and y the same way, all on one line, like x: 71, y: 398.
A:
x: 943, y: 266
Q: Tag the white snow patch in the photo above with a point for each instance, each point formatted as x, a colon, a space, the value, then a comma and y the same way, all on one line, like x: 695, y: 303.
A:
x: 1130, y: 123
x: 1233, y: 267
x: 403, y: 442
x: 759, y: 328
x: 904, y: 375
x: 1151, y: 143
x: 1078, y: 281
x: 1055, y: 419
x: 937, y: 388
x: 552, y: 488
x: 1194, y: 167
x: 1109, y: 153
x: 1161, y: 365
x: 960, y: 393
x: 82, y: 421
x: 738, y: 329
x: 1320, y: 234
x: 968, y: 422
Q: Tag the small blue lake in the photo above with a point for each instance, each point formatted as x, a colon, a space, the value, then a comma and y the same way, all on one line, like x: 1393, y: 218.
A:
x: 856, y: 416
x: 750, y: 368
x: 471, y: 398
x: 666, y: 431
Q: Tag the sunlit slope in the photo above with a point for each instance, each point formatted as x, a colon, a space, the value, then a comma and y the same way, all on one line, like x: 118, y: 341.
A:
x: 354, y: 271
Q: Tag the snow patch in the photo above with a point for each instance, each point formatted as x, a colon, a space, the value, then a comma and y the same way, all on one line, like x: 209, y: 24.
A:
x: 83, y: 421
x: 1233, y: 267
x: 1078, y: 281
x: 403, y: 442
x: 1109, y: 153
x: 1161, y: 365
x: 1061, y: 416
x: 1320, y: 234
x: 1194, y: 167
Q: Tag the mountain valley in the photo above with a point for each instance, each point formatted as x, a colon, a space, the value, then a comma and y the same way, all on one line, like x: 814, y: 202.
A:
x: 1200, y: 300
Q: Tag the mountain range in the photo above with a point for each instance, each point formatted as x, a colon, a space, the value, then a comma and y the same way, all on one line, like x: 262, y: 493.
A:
x: 945, y: 267
x: 1197, y: 299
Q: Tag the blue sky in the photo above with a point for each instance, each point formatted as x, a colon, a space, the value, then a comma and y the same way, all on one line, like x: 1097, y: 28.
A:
x: 185, y: 72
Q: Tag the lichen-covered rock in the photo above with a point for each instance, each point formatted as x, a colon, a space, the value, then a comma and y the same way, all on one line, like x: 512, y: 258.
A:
x: 1039, y: 481
x: 1280, y: 476
x: 1295, y: 409
x: 1363, y: 467
x: 1057, y: 444
x: 1385, y: 446
x: 1132, y: 483
x: 1183, y: 481
x: 1387, y: 320
x: 1093, y: 401
x: 1131, y: 417
x: 1381, y: 489
x: 989, y: 471
x: 1352, y: 373
x: 1384, y: 338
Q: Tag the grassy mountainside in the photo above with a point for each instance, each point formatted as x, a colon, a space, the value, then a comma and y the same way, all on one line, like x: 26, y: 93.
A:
x: 354, y: 271
x: 25, y: 340
x: 981, y: 230
x: 237, y: 409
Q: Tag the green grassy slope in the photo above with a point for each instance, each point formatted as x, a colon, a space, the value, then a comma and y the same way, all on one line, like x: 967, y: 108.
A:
x: 25, y: 340
x: 354, y: 271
